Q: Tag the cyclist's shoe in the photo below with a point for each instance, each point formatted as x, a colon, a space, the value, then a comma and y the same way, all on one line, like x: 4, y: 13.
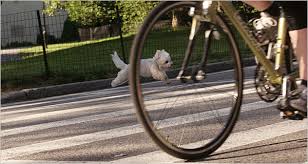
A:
x: 295, y: 106
x: 295, y: 94
x: 299, y: 102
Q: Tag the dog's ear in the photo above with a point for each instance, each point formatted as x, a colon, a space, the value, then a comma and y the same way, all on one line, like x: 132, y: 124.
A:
x: 157, y: 55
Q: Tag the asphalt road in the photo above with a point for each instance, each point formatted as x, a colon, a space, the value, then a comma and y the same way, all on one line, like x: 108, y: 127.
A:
x: 101, y: 127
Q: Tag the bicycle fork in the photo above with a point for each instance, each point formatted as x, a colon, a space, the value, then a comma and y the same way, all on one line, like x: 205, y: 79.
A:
x: 199, y: 72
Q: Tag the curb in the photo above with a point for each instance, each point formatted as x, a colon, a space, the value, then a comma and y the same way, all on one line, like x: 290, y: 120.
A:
x: 57, y: 90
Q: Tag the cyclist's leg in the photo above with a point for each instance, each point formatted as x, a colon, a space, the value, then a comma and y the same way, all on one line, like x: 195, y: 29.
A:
x: 298, y: 34
x: 259, y: 5
x: 265, y: 6
x: 296, y: 13
x: 299, y: 43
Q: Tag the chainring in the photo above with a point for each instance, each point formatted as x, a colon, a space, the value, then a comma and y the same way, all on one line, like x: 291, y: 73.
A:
x: 267, y: 91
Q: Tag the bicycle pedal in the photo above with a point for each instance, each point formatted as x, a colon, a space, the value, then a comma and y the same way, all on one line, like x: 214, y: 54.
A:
x: 200, y: 75
x: 183, y: 76
x: 183, y: 79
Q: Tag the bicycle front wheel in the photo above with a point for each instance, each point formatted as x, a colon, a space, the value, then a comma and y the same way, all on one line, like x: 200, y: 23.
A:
x: 187, y: 120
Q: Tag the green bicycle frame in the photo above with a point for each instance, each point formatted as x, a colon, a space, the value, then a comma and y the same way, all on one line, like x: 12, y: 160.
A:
x: 274, y: 75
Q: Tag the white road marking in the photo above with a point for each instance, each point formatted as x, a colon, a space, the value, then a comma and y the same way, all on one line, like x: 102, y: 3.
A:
x: 53, y: 162
x: 118, y: 132
x: 158, y: 157
x: 157, y: 105
x: 102, y: 106
x: 222, y: 85
x: 235, y: 140
x: 63, y: 104
x: 55, y: 124
x: 53, y: 113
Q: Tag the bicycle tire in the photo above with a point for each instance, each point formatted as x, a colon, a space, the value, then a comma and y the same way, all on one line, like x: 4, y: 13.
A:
x: 138, y: 96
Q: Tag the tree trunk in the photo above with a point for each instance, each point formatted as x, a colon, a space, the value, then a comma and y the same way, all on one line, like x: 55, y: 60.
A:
x: 91, y: 33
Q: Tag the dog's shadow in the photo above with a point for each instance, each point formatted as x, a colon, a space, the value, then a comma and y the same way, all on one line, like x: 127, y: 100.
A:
x: 255, y: 150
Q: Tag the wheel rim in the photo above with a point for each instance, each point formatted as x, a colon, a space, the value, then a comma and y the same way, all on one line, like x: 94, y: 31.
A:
x: 162, y: 111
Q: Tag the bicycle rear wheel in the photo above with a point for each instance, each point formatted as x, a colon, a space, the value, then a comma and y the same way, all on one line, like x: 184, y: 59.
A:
x: 187, y: 120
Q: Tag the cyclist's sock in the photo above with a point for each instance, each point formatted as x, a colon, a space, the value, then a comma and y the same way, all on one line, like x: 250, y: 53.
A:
x: 304, y: 82
x: 273, y: 10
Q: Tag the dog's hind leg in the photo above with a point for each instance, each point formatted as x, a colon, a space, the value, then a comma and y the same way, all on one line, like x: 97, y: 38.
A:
x: 121, y: 78
x: 117, y: 61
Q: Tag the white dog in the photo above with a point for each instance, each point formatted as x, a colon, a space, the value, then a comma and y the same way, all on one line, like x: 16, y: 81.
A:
x: 154, y: 67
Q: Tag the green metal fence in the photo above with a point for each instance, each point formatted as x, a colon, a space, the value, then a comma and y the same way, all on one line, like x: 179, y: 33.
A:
x: 74, y: 54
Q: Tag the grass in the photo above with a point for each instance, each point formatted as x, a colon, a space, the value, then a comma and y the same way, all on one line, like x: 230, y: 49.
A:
x: 90, y: 60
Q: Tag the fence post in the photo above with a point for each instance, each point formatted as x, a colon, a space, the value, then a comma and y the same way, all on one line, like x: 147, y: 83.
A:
x: 121, y: 37
x: 43, y: 41
x: 45, y: 29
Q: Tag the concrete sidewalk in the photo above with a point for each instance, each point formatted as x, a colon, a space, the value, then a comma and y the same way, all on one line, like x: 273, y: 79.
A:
x: 56, y: 90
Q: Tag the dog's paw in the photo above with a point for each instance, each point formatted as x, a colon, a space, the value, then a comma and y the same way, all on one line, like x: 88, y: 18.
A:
x: 113, y: 84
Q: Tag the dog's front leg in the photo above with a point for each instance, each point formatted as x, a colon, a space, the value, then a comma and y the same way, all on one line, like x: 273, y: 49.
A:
x: 161, y: 76
x: 167, y: 80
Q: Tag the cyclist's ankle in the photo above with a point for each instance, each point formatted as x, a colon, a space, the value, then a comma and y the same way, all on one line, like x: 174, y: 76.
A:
x: 302, y: 86
x: 304, y: 82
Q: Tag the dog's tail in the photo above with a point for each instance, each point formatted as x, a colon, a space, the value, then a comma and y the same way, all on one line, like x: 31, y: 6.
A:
x: 117, y: 61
